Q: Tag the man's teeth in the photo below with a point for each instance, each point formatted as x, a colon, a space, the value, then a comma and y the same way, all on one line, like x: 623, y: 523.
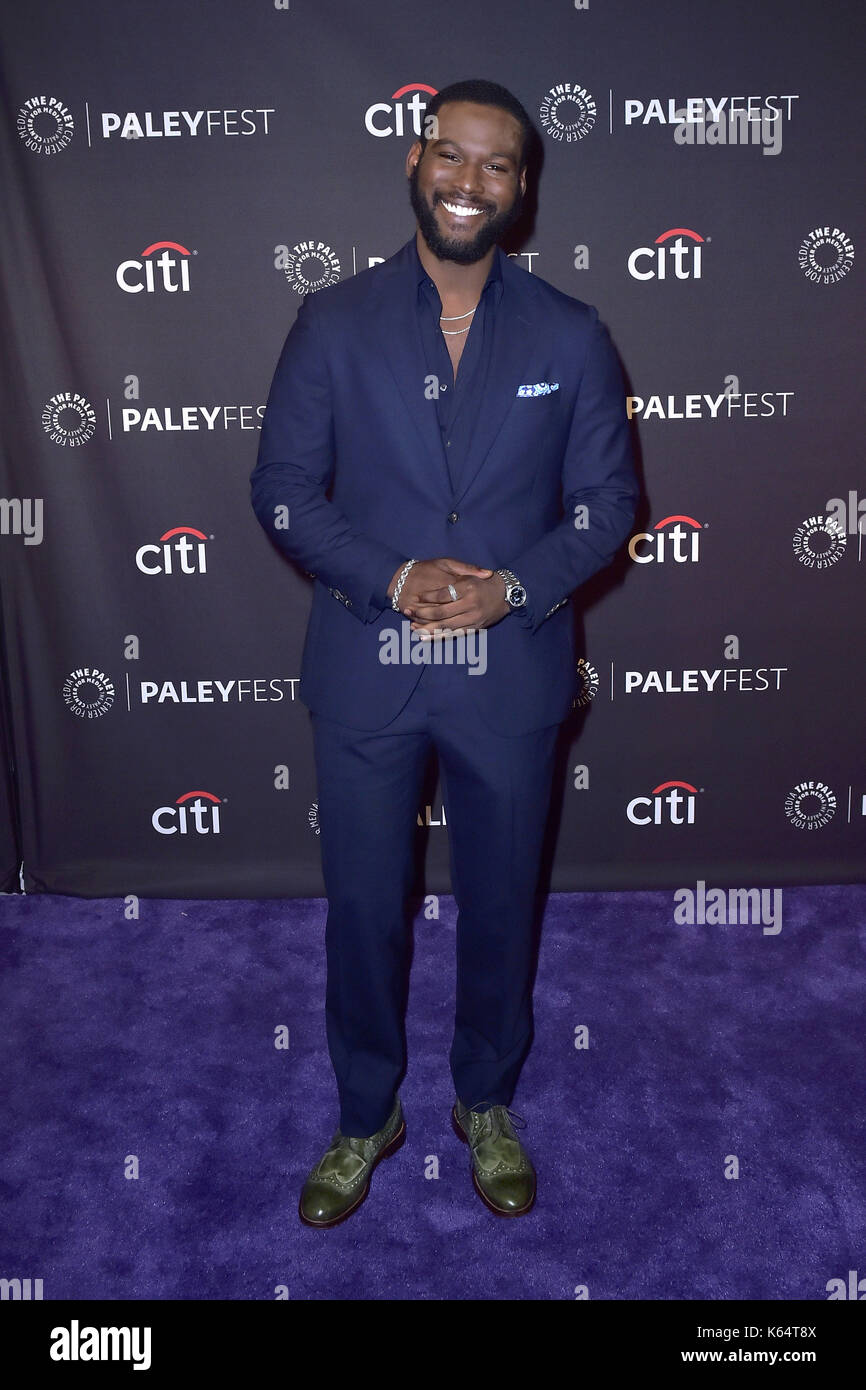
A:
x: 461, y: 211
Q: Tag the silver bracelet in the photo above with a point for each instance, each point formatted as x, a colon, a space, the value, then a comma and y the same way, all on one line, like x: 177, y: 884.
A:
x: 399, y: 585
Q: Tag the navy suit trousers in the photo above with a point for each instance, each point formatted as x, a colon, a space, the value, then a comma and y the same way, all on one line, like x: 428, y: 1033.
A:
x: 496, y: 792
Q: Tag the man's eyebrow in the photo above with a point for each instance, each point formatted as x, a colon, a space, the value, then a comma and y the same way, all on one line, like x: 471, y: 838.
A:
x: 458, y: 146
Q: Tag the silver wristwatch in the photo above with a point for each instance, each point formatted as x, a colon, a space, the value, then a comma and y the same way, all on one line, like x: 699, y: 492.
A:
x: 515, y: 593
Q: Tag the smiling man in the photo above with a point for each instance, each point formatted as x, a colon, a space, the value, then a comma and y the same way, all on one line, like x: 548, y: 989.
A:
x: 449, y: 435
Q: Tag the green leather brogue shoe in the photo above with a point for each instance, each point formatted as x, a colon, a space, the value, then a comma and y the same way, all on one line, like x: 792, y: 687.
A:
x: 502, y: 1171
x: 340, y: 1181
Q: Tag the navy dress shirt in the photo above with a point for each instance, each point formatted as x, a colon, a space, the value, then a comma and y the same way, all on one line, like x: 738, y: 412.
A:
x: 459, y: 403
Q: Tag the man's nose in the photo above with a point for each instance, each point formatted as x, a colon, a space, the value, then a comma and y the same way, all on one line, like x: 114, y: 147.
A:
x: 471, y: 181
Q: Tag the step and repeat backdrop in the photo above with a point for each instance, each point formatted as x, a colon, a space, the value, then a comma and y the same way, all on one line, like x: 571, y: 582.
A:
x: 177, y: 177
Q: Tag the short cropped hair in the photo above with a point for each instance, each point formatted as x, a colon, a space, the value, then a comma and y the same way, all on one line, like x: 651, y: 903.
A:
x: 484, y: 94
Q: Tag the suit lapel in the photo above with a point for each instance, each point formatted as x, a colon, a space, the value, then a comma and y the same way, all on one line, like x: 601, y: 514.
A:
x: 514, y: 342
x: 397, y: 336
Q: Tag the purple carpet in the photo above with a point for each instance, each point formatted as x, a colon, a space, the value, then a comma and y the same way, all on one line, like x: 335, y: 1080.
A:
x: 152, y: 1042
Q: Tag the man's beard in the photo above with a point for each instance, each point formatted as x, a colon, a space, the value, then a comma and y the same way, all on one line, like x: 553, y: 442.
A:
x: 463, y: 250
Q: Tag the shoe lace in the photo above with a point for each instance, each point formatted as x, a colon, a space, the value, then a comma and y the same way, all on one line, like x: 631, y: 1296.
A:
x: 357, y: 1146
x: 498, y: 1120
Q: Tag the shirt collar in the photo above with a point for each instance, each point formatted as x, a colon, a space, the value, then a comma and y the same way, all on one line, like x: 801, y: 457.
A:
x: 494, y: 274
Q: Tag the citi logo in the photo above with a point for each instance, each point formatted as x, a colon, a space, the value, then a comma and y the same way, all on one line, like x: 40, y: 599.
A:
x: 129, y: 273
x: 387, y: 118
x: 180, y: 550
x: 670, y: 803
x: 678, y: 257
x: 194, y: 813
x: 681, y: 544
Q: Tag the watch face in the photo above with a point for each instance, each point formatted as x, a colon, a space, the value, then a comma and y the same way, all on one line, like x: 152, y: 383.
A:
x: 517, y: 596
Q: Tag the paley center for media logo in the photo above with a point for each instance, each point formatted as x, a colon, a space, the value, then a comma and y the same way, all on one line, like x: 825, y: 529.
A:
x: 826, y: 255
x: 88, y: 692
x: 567, y: 112
x: 135, y: 276
x: 587, y: 684
x: 308, y: 265
x: 69, y: 419
x: 810, y: 805
x: 821, y: 541
x: 46, y: 124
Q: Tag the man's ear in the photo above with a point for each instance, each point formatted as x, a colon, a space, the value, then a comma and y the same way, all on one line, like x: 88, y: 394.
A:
x: 413, y: 156
x: 523, y: 179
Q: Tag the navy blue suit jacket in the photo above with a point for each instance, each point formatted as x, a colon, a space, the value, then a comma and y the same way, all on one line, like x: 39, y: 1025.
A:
x: 350, y: 444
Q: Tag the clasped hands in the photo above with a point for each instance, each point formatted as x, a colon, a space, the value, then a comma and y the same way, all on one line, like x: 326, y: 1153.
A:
x: 426, y: 600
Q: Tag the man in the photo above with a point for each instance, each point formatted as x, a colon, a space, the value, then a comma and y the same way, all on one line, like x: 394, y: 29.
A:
x: 448, y: 433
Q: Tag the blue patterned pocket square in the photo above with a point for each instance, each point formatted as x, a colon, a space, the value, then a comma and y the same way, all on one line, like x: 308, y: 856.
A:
x: 541, y: 388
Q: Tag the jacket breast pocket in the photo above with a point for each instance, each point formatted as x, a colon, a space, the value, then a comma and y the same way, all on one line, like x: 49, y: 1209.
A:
x: 538, y: 418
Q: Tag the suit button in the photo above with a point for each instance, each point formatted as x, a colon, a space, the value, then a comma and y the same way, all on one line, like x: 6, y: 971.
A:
x: 452, y: 517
